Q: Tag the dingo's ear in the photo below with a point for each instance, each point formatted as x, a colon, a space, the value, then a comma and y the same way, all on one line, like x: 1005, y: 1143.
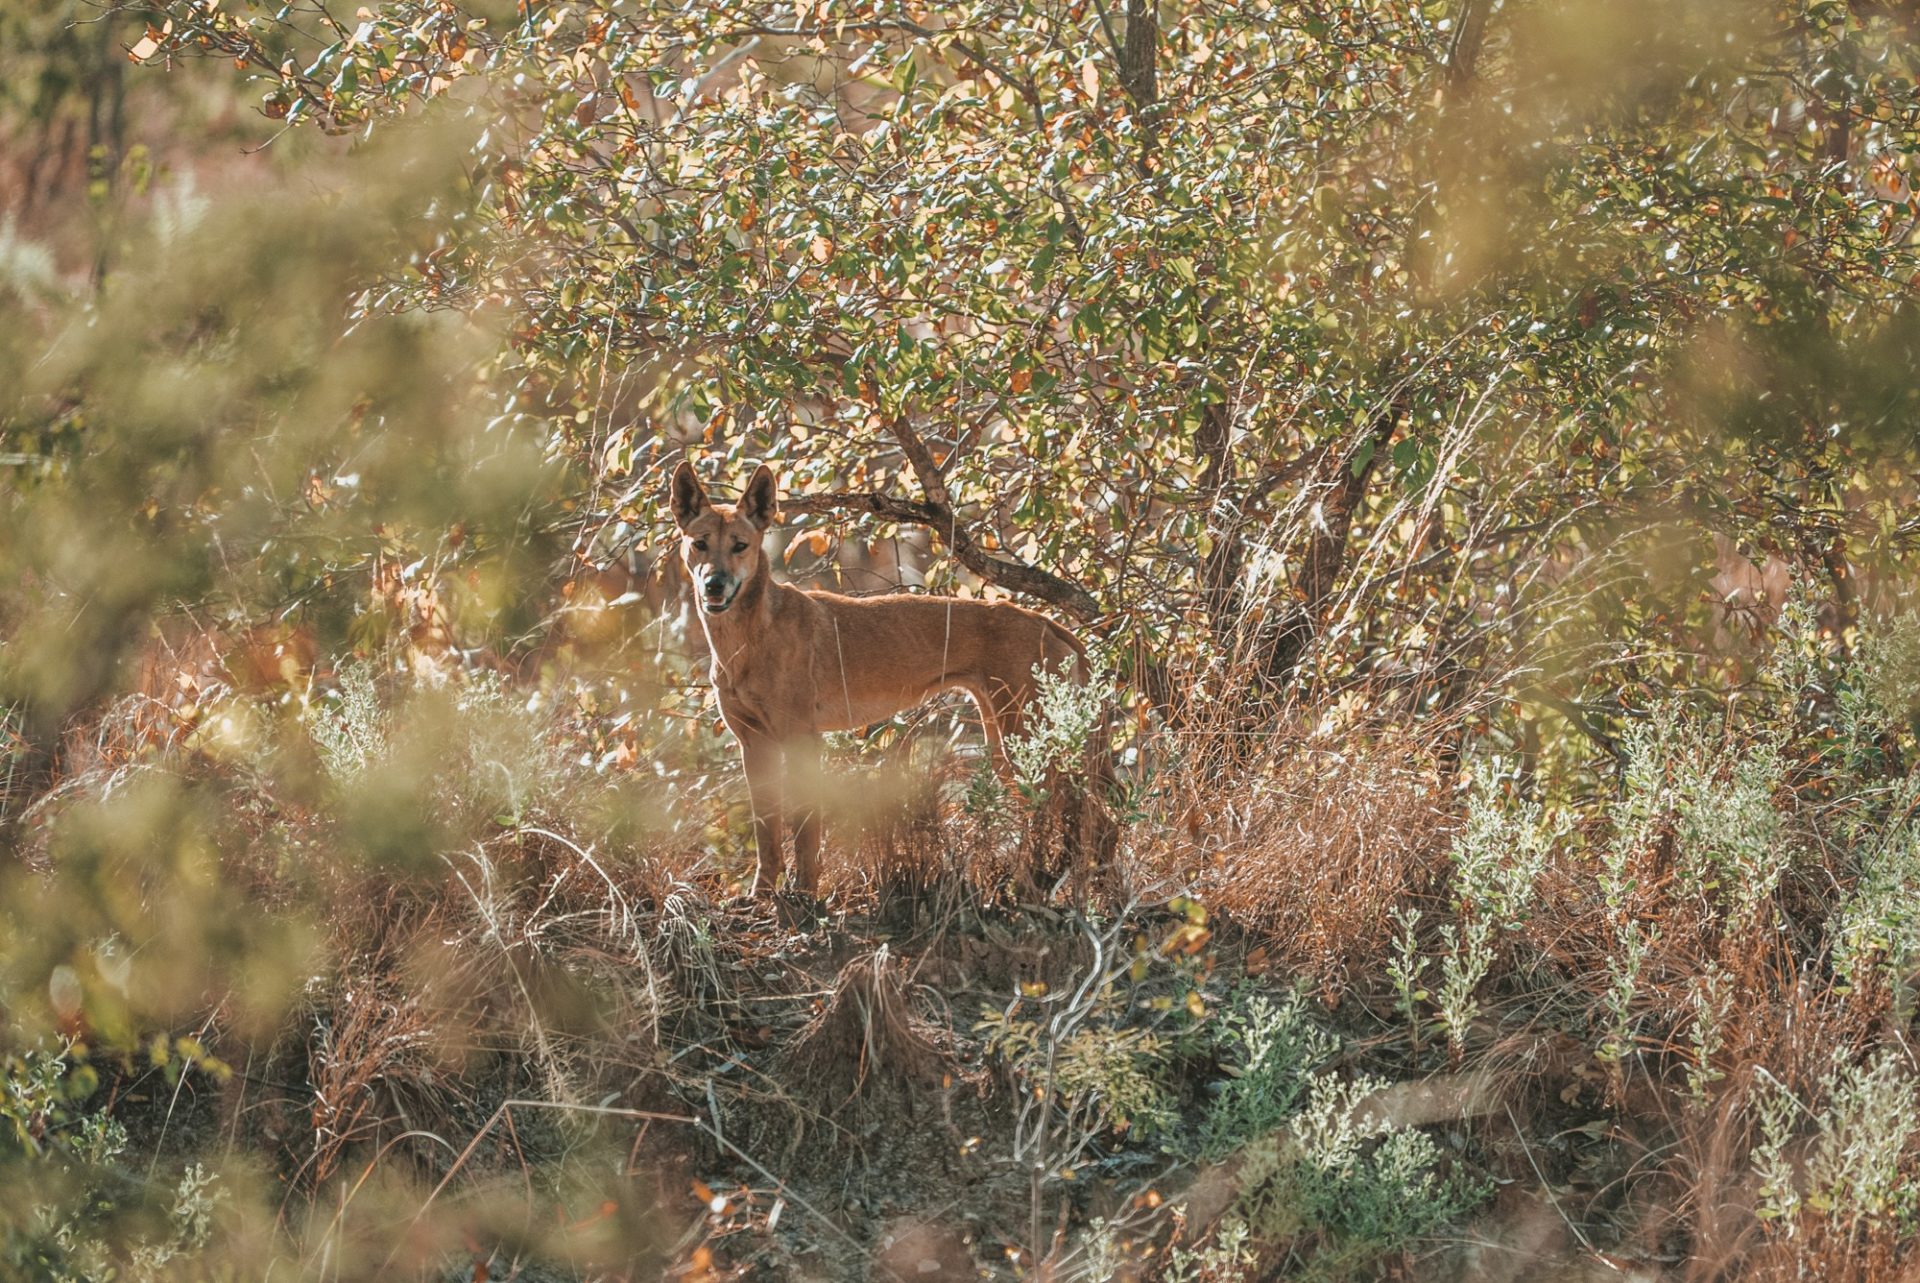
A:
x: 685, y: 496
x: 759, y: 500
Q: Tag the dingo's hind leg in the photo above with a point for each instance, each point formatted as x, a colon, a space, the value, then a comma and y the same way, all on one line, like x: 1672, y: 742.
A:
x: 1002, y: 716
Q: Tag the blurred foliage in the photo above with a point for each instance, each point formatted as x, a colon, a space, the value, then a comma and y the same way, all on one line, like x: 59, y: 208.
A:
x: 177, y: 441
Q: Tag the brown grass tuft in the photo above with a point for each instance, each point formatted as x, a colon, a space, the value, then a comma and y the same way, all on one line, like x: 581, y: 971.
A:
x: 1309, y: 849
x: 866, y: 1032
x: 372, y: 1042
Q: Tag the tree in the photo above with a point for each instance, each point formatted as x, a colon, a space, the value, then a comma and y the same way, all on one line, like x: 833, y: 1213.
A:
x: 1285, y: 332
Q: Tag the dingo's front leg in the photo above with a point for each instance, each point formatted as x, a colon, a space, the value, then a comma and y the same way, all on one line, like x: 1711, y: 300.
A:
x: 761, y: 756
x: 803, y: 776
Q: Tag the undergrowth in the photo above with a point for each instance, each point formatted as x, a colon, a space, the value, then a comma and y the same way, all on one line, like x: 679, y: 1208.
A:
x: 439, y: 956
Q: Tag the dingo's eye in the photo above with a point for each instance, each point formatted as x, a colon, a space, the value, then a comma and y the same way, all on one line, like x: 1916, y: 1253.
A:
x: 700, y: 545
x: 739, y: 546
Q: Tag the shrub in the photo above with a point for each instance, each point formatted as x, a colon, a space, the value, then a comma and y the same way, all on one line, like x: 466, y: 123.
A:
x: 488, y: 760
x: 1319, y: 1166
x: 1063, y: 722
x: 1497, y: 860
x: 349, y: 726
x: 1716, y: 795
x: 1099, y: 1076
x: 1225, y: 1257
x: 1270, y: 1051
x: 1854, y: 1164
x: 1876, y: 928
x: 1348, y: 1175
x: 1887, y: 674
x: 59, y: 1154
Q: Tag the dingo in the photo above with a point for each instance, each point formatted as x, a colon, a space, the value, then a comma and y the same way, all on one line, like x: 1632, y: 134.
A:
x: 789, y: 664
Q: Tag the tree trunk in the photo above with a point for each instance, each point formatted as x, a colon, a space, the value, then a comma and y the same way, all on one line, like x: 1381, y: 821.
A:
x: 1339, y: 489
x: 1340, y: 484
x: 1137, y: 54
x: 1220, y: 569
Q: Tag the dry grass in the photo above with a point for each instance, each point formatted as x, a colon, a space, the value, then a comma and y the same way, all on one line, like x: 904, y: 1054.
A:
x: 1308, y: 847
x: 568, y: 1013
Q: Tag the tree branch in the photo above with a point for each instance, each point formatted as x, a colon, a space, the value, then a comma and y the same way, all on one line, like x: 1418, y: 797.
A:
x: 887, y: 507
x: 1339, y: 489
x: 936, y: 513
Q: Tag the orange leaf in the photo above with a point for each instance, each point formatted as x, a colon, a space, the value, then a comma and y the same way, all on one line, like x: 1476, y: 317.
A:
x: 821, y: 249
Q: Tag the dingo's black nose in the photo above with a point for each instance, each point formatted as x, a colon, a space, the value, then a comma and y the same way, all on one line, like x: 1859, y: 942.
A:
x: 716, y: 585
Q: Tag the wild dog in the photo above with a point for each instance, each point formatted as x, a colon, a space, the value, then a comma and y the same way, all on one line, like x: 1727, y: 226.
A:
x: 789, y: 663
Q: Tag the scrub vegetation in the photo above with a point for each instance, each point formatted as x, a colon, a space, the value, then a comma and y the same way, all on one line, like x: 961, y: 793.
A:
x: 1476, y: 440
